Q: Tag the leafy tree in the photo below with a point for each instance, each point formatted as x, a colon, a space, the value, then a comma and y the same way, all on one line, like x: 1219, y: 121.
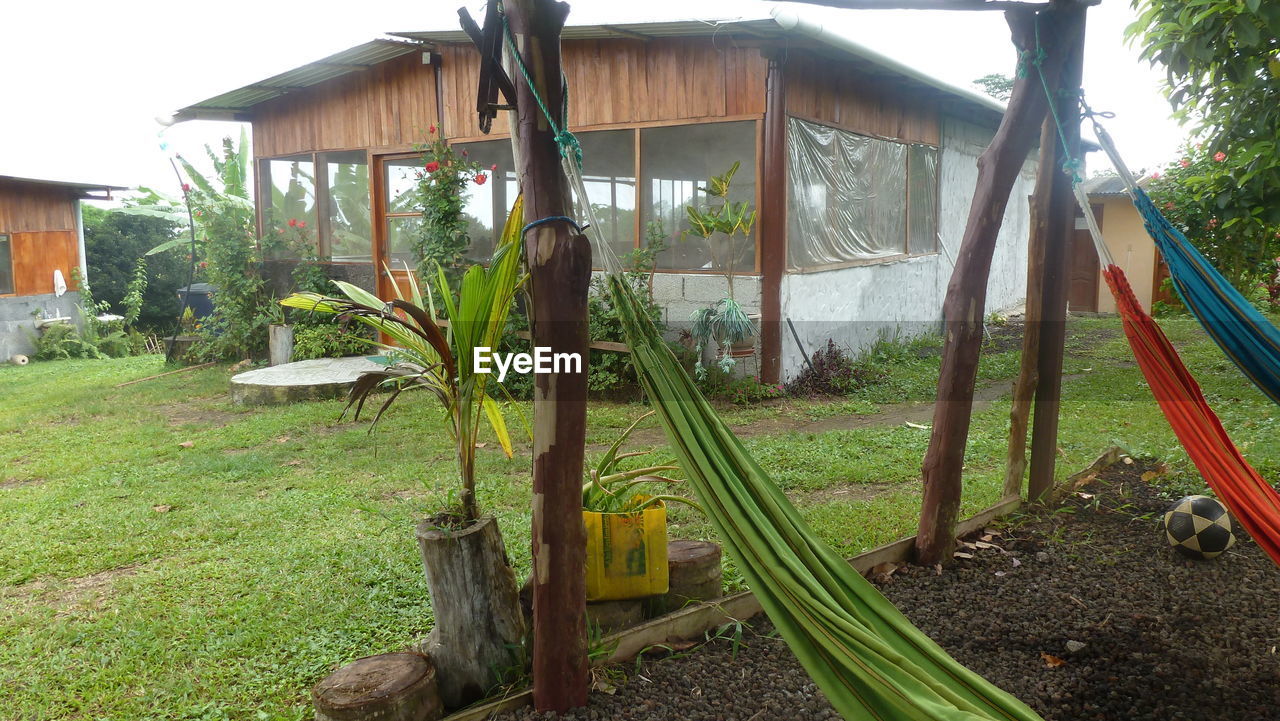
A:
x: 114, y: 241
x: 997, y: 85
x: 1223, y: 63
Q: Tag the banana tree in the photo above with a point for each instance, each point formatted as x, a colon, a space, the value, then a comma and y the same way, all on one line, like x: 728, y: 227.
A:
x: 430, y: 354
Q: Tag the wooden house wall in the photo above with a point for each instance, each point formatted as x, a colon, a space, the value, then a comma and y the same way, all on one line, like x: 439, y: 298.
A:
x: 828, y: 92
x: 612, y: 82
x: 387, y: 106
x: 41, y: 224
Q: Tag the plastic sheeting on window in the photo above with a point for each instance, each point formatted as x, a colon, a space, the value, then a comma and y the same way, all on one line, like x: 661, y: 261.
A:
x: 848, y: 197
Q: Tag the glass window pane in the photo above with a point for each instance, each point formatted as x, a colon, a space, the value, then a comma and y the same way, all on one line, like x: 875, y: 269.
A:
x: 402, y: 184
x: 487, y: 205
x: 347, y: 227
x: 289, y: 194
x: 608, y: 171
x: 922, y: 189
x: 401, y: 234
x: 6, y: 265
x: 675, y: 162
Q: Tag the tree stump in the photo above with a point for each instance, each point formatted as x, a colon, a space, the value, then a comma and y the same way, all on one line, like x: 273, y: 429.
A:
x: 478, y: 623
x: 390, y: 687
x: 694, y: 574
x: 612, y: 616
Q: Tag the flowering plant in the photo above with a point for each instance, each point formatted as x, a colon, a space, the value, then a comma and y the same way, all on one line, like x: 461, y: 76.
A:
x: 442, y: 194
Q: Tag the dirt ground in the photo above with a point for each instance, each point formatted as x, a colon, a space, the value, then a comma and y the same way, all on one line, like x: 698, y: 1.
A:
x: 1083, y: 613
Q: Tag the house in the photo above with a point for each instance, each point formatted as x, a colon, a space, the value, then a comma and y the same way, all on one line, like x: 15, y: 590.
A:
x: 862, y: 169
x: 1130, y: 246
x: 41, y: 255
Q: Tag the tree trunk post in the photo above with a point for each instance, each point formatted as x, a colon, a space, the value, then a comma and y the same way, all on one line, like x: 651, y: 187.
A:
x: 962, y: 310
x: 1024, y: 389
x: 1060, y: 215
x: 559, y: 262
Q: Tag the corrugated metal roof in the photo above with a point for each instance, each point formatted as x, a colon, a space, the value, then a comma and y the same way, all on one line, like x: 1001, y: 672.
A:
x: 763, y: 27
x: 1109, y: 185
x: 82, y: 188
x: 233, y: 105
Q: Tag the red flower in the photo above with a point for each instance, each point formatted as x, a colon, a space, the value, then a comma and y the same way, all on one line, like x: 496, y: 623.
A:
x: 280, y: 231
x: 1213, y: 223
x: 293, y: 222
x: 204, y: 264
x: 432, y: 129
x: 1184, y: 162
x: 186, y: 188
x: 481, y: 178
x: 432, y: 167
x: 1169, y: 205
x: 1219, y: 156
x: 464, y: 153
x: 302, y: 223
x: 493, y: 167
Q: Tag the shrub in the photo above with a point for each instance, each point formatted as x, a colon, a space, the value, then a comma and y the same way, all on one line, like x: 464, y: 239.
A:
x: 721, y: 385
x: 833, y: 372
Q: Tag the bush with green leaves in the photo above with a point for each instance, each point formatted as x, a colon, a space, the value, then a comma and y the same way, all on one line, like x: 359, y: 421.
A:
x: 114, y: 242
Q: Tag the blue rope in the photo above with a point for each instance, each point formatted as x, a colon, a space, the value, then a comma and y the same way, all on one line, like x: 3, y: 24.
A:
x: 552, y: 219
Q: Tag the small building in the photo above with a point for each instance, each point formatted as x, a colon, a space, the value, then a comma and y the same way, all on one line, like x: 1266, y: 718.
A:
x: 862, y: 169
x: 1130, y: 246
x: 41, y: 255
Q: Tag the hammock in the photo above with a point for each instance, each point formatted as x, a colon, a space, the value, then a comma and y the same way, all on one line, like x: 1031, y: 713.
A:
x: 1221, y: 310
x: 1243, y: 333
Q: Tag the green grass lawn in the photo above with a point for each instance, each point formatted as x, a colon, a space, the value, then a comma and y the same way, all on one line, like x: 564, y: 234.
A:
x: 140, y: 578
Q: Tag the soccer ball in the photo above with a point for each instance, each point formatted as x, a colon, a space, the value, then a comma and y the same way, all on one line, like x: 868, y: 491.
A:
x: 1199, y: 527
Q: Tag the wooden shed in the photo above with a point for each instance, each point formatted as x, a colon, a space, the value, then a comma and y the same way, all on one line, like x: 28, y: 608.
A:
x: 861, y: 168
x: 41, y: 253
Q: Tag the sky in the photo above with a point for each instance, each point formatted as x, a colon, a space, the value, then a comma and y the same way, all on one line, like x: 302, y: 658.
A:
x: 84, y: 82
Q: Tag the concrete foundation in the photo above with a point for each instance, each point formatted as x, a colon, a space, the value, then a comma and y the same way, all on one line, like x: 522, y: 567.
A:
x: 309, y: 380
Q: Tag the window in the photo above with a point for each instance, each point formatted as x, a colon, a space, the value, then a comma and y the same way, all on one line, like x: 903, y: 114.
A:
x: 345, y: 234
x: 675, y: 161
x: 288, y: 195
x: 404, y: 219
x: 855, y: 198
x: 487, y: 205
x: 6, y: 266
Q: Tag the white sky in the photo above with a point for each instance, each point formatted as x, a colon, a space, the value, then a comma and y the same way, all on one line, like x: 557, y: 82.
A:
x: 84, y: 80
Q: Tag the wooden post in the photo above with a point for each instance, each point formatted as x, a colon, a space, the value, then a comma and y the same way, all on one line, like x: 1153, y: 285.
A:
x: 1053, y: 326
x: 962, y: 310
x: 559, y: 262
x: 773, y: 220
x: 1024, y: 389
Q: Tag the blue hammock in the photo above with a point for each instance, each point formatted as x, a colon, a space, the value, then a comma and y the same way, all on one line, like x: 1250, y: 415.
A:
x: 1243, y: 333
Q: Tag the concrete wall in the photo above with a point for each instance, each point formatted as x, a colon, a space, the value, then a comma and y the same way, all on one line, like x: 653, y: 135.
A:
x: 1130, y: 247
x: 900, y: 299
x: 17, y: 321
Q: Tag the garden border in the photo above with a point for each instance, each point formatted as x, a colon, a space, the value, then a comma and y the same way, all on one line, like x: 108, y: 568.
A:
x: 696, y: 619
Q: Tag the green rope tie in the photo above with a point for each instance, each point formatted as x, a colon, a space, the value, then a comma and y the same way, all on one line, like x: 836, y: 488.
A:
x: 1070, y: 165
x: 1028, y: 58
x: 566, y: 141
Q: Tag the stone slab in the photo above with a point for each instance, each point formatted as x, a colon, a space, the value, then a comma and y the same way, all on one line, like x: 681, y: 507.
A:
x: 309, y: 380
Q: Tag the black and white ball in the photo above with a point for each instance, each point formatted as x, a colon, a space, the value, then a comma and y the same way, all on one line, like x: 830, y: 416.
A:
x: 1199, y: 527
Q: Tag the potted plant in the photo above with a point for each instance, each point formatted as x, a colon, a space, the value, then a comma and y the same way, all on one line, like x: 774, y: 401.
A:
x: 478, y: 621
x: 732, y: 328
x: 626, y: 525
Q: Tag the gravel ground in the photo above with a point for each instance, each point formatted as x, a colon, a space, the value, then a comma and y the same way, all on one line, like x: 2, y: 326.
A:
x: 1085, y: 613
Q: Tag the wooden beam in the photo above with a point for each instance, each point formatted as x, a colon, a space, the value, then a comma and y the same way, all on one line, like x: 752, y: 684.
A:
x: 1053, y: 293
x: 1024, y: 389
x: 559, y: 261
x: 962, y: 310
x: 773, y: 220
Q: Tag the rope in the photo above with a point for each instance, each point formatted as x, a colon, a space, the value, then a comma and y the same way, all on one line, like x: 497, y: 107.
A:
x: 551, y: 219
x: 567, y: 141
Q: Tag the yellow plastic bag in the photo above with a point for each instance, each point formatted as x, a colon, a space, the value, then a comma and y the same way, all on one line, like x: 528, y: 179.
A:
x: 626, y: 554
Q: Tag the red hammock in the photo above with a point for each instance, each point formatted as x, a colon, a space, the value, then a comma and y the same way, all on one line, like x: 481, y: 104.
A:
x: 1253, y: 501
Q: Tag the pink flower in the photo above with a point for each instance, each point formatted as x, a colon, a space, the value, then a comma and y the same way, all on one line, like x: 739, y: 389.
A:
x: 186, y: 188
x: 481, y: 178
x: 1184, y: 162
x: 302, y: 223
x: 1169, y: 205
x: 1219, y: 156
x: 293, y: 222
x: 432, y: 167
x: 1155, y: 176
x: 493, y: 167
x: 1213, y: 223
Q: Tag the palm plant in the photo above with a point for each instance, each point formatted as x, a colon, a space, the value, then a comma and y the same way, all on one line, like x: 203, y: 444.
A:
x: 429, y: 354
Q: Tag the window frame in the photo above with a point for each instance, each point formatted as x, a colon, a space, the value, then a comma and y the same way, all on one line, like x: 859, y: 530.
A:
x: 7, y: 239
x: 320, y: 168
x: 906, y: 200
